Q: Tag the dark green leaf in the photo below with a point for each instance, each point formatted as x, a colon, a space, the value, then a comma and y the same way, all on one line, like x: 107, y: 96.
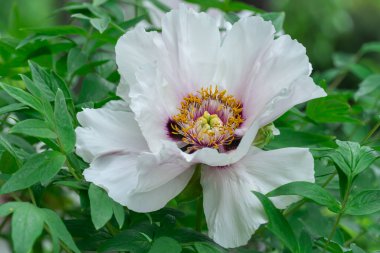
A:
x: 127, y: 240
x: 58, y: 230
x: 310, y: 191
x: 363, y: 203
x: 64, y: 125
x: 58, y: 30
x: 75, y: 59
x: 101, y: 206
x: 165, y: 245
x: 38, y: 168
x: 33, y: 127
x: 278, y: 225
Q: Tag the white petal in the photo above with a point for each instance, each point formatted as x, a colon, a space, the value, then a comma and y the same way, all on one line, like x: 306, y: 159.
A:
x: 143, y: 182
x: 192, y: 42
x: 116, y: 173
x: 271, y: 169
x: 232, y: 211
x: 133, y: 50
x: 244, y: 44
x: 106, y: 131
x: 279, y: 81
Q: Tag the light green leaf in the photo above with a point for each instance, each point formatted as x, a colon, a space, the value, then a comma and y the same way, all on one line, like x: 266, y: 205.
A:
x: 278, y: 225
x: 27, y: 226
x: 352, y: 158
x: 369, y: 86
x: 33, y: 127
x: 364, y: 203
x: 118, y: 211
x: 12, y: 108
x: 330, y: 109
x: 64, y: 125
x: 75, y: 60
x: 101, y: 206
x: 100, y: 24
x: 165, y: 245
x: 370, y: 47
x: 277, y: 19
x: 22, y: 96
x: 38, y: 168
x: 310, y: 191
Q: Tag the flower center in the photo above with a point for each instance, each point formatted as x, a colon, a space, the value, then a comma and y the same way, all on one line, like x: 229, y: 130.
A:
x: 206, y: 119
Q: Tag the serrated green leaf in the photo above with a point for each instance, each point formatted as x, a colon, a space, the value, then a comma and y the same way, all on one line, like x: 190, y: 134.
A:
x: 64, y: 125
x: 38, y: 168
x: 352, y: 158
x: 165, y: 245
x: 310, y: 191
x: 364, y: 203
x: 101, y: 206
x: 278, y: 225
x: 27, y: 226
x: 33, y: 127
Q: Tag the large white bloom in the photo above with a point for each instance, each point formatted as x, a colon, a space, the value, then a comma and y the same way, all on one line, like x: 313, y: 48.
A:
x: 195, y: 97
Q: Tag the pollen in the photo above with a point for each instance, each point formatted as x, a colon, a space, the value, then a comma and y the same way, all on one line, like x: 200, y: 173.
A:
x: 207, y: 118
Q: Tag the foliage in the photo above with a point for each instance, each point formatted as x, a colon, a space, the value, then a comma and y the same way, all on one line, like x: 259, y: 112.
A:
x: 48, y: 74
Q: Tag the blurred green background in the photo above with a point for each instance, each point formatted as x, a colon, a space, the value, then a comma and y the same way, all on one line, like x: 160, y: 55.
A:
x: 323, y: 26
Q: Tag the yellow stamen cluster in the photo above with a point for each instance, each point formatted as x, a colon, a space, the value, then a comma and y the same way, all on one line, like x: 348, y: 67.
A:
x: 207, y: 119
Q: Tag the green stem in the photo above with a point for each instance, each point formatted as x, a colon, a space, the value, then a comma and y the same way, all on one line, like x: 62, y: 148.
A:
x: 32, y: 196
x: 338, y: 218
x: 371, y: 132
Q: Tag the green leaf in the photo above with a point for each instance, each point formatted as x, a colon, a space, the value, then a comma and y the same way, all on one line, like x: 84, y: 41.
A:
x: 101, y: 206
x: 38, y: 168
x: 75, y: 60
x: 127, y: 240
x: 356, y: 249
x: 352, y: 158
x: 58, y: 230
x: 293, y: 138
x: 165, y: 245
x: 278, y: 225
x: 118, y: 211
x: 64, y: 125
x: 12, y: 108
x: 33, y: 127
x: 370, y: 47
x: 48, y: 81
x: 41, y: 91
x: 100, y: 24
x: 305, y: 243
x: 360, y: 71
x: 310, y: 191
x: 369, y: 86
x: 330, y: 109
x: 202, y: 247
x: 22, y: 97
x: 8, y: 147
x: 364, y: 203
x: 27, y: 226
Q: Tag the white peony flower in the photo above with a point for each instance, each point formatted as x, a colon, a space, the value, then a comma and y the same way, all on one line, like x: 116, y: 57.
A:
x: 195, y: 97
